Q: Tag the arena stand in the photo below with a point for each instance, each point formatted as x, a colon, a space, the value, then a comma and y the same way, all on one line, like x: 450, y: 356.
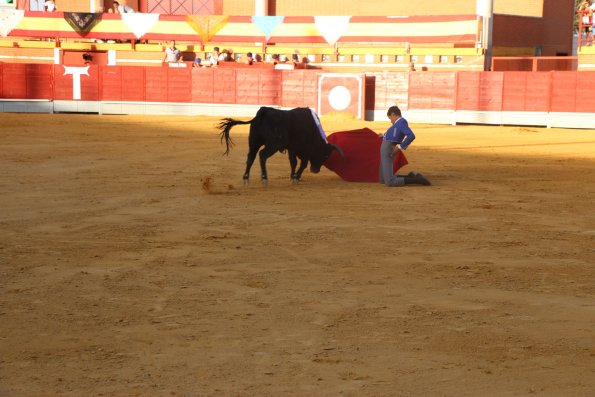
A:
x: 43, y: 69
x: 442, y: 42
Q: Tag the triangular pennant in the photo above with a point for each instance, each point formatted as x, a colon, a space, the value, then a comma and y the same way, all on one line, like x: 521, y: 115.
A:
x: 267, y: 24
x: 9, y: 19
x: 332, y: 27
x: 82, y: 22
x: 207, y: 26
x: 139, y: 23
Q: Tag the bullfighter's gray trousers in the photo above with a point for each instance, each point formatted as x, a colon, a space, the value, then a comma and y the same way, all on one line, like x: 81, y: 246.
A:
x: 386, y: 166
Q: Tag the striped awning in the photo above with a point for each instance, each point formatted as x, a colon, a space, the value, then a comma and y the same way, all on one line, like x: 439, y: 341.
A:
x: 239, y: 29
x: 109, y: 26
x: 420, y: 29
x: 462, y: 29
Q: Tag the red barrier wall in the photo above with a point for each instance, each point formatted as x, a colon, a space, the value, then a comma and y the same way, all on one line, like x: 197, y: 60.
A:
x: 479, y: 91
x: 299, y: 88
x: 573, y: 92
x: 156, y: 85
x: 564, y: 92
x: 432, y: 90
x: 271, y: 87
x: 25, y: 81
x: 64, y: 87
x: 91, y: 85
x: 556, y: 91
x: 178, y: 87
x: 248, y: 85
x: 224, y: 90
x: 585, y: 91
x: 37, y: 81
x: 386, y: 89
x: 468, y: 91
x: 203, y: 85
x: 123, y: 83
x: 528, y: 92
x: 15, y: 81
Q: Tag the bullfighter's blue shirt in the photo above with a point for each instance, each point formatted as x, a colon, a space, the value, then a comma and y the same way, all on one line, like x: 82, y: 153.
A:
x: 400, y: 133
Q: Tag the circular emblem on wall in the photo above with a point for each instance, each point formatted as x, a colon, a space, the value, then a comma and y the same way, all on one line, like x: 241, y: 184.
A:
x: 339, y: 97
x: 341, y: 92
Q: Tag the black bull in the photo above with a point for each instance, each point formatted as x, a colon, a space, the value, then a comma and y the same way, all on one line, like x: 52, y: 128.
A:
x: 279, y: 130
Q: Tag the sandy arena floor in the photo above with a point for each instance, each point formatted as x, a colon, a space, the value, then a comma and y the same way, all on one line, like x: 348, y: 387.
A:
x: 134, y: 263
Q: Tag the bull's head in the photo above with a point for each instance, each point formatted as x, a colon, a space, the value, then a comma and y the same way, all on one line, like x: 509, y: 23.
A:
x: 320, y: 156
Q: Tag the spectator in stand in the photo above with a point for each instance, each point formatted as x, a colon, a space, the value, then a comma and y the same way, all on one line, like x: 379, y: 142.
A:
x: 592, y: 18
x: 586, y: 15
x: 249, y: 58
x: 122, y: 9
x: 87, y: 58
x: 172, y: 54
x: 197, y: 63
x: 226, y: 55
x: 411, y: 67
x: 213, y: 57
x: 50, y: 6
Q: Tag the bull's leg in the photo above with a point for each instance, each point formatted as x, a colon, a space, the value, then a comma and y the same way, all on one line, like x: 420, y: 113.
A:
x: 264, y: 154
x: 249, y: 162
x: 293, y: 164
x: 303, y: 165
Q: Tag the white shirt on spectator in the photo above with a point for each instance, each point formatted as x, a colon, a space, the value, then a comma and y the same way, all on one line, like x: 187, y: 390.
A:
x: 213, y: 59
x: 50, y: 6
x: 172, y: 54
x: 125, y: 9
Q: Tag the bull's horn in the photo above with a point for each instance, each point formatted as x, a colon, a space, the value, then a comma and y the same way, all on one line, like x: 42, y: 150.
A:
x: 338, y: 149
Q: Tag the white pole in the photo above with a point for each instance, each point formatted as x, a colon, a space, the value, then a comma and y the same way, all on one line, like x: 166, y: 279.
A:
x: 485, y: 8
x: 261, y: 8
x: 91, y: 5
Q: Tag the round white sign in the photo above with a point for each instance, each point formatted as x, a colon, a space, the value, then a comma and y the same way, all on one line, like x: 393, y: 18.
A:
x: 339, y: 97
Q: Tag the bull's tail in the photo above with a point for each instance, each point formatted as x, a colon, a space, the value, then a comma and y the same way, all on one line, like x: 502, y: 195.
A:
x: 225, y: 125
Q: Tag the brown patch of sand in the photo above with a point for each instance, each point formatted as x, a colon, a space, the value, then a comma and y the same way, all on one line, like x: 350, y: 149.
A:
x: 122, y: 273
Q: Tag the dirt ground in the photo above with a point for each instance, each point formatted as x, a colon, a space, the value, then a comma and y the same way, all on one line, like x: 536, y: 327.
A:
x: 134, y: 263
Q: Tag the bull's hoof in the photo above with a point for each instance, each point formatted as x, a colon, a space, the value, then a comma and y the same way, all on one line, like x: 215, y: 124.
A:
x: 245, y: 180
x: 295, y: 181
x: 265, y: 182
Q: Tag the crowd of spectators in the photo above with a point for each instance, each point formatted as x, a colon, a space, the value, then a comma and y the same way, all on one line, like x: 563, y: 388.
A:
x: 172, y: 55
x: 116, y: 8
x: 218, y: 56
x: 587, y: 23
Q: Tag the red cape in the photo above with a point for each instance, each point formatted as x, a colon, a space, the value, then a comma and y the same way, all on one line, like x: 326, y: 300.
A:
x: 362, y: 155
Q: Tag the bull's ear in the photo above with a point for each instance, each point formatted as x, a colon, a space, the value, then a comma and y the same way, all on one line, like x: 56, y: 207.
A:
x: 338, y: 149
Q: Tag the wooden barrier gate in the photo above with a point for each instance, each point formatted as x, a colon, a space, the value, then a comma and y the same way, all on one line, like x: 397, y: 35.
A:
x: 554, y: 91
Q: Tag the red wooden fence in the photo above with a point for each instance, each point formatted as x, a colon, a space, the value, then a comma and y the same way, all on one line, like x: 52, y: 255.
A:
x: 556, y: 91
